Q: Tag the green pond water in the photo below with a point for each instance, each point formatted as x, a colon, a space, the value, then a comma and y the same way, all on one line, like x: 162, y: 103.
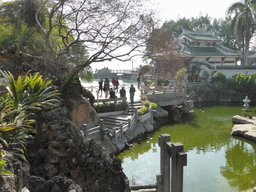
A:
x: 217, y: 161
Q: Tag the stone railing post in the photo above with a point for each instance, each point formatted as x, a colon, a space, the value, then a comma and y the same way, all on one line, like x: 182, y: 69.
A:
x: 91, y: 88
x: 179, y: 159
x: 83, y: 130
x: 154, y: 94
x: 151, y: 114
x: 164, y: 93
x: 101, y: 129
x: 136, y: 114
x: 162, y: 86
x: 129, y: 124
x: 175, y: 91
x: 85, y: 127
x: 115, y: 135
x: 121, y: 130
x: 164, y: 161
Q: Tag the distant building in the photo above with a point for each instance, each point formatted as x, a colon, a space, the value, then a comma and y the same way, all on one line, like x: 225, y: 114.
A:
x: 208, y: 53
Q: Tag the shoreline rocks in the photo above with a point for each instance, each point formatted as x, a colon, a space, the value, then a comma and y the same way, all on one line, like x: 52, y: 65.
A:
x: 244, y: 127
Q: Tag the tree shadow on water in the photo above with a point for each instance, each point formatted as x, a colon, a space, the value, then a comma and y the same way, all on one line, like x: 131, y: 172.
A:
x: 240, y: 165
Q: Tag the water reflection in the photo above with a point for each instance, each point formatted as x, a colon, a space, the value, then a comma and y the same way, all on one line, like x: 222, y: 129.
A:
x: 240, y: 165
x: 216, y: 160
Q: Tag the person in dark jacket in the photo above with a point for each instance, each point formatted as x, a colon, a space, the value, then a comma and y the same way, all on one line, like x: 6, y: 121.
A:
x: 122, y: 92
x: 101, y: 86
x: 112, y: 94
x: 117, y: 84
x: 132, y: 92
x: 106, y: 87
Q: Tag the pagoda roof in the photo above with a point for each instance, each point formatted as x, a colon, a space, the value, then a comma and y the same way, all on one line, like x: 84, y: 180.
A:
x: 218, y: 50
x: 200, y: 35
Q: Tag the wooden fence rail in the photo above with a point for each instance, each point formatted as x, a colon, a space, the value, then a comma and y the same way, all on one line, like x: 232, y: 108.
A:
x: 179, y: 159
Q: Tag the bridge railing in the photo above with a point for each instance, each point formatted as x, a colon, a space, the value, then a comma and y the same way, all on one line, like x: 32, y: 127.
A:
x: 166, y: 94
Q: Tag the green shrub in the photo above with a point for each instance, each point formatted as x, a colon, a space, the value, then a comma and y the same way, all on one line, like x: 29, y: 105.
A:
x: 142, y: 110
x: 247, y: 114
x: 154, y: 105
x: 110, y: 107
x: 2, y: 166
x: 161, y: 81
x: 218, y: 77
x: 148, y: 104
x: 147, y: 82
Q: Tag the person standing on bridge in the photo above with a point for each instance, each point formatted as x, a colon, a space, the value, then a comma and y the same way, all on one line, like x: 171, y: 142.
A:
x: 113, y: 82
x: 116, y: 83
x: 100, y: 86
x: 132, y: 92
x: 106, y: 87
x: 122, y: 92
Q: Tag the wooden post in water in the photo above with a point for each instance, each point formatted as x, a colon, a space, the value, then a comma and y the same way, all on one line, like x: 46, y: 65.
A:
x: 164, y: 161
x: 159, y: 183
x: 179, y: 159
x: 154, y: 94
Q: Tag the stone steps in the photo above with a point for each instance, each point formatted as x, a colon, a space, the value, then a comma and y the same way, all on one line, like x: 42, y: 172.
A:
x: 136, y: 105
x: 114, y: 121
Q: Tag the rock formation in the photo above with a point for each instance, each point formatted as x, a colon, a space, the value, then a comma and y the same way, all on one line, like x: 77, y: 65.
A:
x: 59, y: 152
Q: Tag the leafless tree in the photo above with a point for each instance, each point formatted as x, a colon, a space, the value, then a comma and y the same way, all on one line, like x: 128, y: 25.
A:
x: 163, y: 51
x: 101, y: 27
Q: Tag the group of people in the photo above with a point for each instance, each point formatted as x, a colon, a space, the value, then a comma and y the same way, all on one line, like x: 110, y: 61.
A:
x: 111, y: 90
x: 106, y: 86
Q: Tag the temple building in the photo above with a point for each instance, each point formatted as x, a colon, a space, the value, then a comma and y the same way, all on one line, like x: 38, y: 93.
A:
x: 208, y: 53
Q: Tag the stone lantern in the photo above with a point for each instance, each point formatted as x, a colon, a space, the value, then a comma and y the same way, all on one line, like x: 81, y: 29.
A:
x: 246, y: 103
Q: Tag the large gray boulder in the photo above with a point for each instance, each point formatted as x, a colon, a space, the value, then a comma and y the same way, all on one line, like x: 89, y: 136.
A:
x: 237, y: 119
x: 245, y: 130
x: 160, y: 112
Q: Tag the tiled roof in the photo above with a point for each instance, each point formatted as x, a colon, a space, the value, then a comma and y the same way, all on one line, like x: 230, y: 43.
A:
x: 218, y: 50
x: 200, y: 35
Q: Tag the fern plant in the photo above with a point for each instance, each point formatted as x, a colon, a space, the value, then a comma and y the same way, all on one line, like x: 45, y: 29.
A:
x: 25, y: 96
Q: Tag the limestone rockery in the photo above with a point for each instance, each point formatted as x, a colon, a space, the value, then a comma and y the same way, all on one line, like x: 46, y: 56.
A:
x: 61, y: 158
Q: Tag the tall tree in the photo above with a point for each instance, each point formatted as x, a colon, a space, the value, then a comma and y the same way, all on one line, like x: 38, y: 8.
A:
x: 77, y: 33
x: 243, y: 23
x: 103, y: 28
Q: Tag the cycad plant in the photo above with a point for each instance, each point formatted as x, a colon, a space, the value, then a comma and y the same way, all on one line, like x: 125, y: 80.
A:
x: 25, y: 95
